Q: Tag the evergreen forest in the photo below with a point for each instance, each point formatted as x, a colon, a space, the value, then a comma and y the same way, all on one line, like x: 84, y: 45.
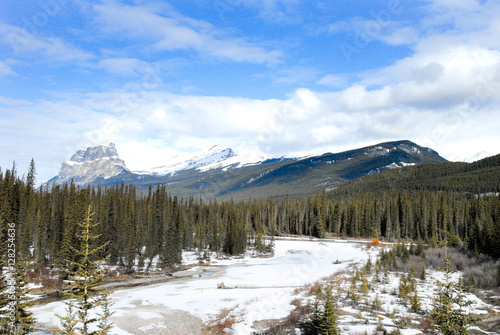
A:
x: 135, y: 227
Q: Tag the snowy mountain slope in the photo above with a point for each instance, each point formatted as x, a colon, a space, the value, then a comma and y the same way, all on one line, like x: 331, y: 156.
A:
x: 248, y: 158
x: 215, y: 158
x: 94, y: 164
x: 186, y: 162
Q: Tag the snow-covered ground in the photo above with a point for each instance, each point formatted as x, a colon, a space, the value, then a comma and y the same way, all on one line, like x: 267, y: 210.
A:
x: 257, y: 288
x: 263, y: 288
x: 393, y: 311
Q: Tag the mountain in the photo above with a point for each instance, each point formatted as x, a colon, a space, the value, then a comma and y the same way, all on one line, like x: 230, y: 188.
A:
x: 479, y: 177
x: 298, y: 177
x: 87, y: 166
x: 215, y: 157
x: 220, y: 172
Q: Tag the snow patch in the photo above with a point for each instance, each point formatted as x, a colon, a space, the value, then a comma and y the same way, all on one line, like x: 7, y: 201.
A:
x: 215, y: 157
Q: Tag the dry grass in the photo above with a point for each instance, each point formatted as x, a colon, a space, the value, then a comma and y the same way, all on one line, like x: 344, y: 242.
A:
x: 314, y: 288
x: 375, y: 242
x: 288, y: 324
x: 478, y: 271
x: 223, y: 321
x: 115, y: 275
x: 48, y: 278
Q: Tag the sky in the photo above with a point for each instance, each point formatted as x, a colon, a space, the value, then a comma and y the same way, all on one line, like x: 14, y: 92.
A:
x: 286, y: 77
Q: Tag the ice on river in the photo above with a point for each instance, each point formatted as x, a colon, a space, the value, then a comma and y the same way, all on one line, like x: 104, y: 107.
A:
x: 257, y: 288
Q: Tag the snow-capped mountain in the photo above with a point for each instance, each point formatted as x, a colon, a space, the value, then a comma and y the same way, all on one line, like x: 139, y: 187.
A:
x: 86, y: 166
x: 102, y: 162
x: 243, y: 159
x: 221, y: 172
x: 216, y: 157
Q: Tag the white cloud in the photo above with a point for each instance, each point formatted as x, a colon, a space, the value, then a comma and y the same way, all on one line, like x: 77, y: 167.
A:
x: 366, y: 30
x: 445, y: 94
x: 123, y: 66
x: 167, y: 30
x: 5, y: 70
x: 295, y: 75
x: 53, y: 50
x: 157, y: 125
x: 278, y: 11
x: 400, y: 36
x: 333, y: 80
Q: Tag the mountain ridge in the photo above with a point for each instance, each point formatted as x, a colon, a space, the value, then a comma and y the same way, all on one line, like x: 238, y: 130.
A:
x: 479, y: 177
x: 221, y: 173
x: 214, y: 155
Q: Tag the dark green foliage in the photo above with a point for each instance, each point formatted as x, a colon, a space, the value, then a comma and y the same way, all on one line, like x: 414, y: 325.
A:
x: 498, y: 275
x: 236, y: 235
x: 155, y: 223
x: 19, y: 318
x: 448, y: 313
x: 422, y: 273
x: 105, y: 323
x: 323, y: 319
x: 85, y: 296
x: 415, y: 302
x: 478, y: 177
x: 70, y: 320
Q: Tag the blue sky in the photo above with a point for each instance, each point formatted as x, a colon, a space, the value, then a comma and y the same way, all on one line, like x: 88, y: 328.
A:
x: 281, y: 76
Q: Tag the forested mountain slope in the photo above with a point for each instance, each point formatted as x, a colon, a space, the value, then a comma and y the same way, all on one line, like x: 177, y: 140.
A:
x: 482, y: 176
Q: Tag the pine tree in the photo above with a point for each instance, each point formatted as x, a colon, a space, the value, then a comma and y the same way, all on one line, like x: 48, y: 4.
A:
x: 85, y: 294
x: 69, y: 321
x: 31, y: 178
x: 365, y: 287
x: 415, y: 302
x: 20, y: 320
x: 422, y: 273
x: 105, y: 323
x: 448, y: 312
x: 4, y: 301
x: 329, y: 322
x: 324, y: 316
x: 312, y: 326
x: 404, y: 288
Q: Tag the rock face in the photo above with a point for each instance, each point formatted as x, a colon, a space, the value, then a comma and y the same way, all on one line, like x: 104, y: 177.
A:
x: 95, y: 153
x: 86, y: 166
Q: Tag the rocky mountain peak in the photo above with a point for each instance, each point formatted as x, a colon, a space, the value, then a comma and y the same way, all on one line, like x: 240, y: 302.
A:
x: 93, y: 153
x: 91, y: 165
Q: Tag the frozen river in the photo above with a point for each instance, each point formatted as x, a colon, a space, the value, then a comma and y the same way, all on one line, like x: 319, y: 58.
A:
x: 257, y: 289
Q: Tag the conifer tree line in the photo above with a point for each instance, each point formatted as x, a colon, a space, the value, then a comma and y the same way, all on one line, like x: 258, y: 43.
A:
x: 135, y: 226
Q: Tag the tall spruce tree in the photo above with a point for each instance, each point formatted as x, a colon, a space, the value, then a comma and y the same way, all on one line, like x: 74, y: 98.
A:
x: 448, y: 313
x: 324, y: 316
x: 19, y: 320
x: 85, y: 296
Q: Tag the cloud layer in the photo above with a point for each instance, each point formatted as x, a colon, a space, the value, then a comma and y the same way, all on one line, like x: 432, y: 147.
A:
x: 145, y: 79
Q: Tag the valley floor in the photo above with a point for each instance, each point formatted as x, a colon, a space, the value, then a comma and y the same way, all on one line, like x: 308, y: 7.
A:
x: 242, y: 295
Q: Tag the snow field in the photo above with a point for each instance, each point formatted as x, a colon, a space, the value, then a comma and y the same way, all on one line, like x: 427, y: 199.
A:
x: 264, y: 288
x: 257, y: 288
